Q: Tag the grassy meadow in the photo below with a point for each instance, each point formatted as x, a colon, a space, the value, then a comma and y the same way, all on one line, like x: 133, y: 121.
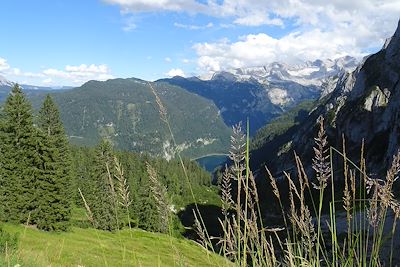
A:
x: 91, y: 247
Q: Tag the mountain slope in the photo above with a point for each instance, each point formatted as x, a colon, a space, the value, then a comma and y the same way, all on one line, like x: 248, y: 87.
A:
x: 364, y: 105
x: 236, y: 100
x: 263, y: 93
x: 125, y: 112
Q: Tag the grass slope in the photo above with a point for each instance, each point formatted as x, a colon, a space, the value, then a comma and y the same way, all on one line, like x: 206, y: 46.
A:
x: 89, y: 247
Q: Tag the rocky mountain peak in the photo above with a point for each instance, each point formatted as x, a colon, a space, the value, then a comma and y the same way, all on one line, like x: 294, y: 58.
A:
x: 5, y: 82
x: 224, y: 75
x: 393, y: 48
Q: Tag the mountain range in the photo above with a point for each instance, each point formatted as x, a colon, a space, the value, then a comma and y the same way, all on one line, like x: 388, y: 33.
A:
x: 201, y: 111
x: 364, y: 105
x: 263, y: 93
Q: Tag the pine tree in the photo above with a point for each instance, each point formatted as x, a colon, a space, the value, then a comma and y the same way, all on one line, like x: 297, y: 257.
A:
x: 54, y: 166
x: 18, y: 153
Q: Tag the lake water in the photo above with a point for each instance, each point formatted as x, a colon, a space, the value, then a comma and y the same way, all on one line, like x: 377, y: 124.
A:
x: 211, y: 162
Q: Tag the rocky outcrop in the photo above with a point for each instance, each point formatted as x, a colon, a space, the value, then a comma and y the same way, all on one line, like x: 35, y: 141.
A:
x: 364, y: 105
x: 376, y: 99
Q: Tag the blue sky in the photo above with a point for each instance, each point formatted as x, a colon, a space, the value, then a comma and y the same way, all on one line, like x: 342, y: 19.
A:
x: 54, y: 42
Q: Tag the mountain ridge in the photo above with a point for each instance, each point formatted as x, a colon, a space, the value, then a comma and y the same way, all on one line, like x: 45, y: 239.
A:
x: 125, y: 112
x: 263, y: 93
x: 364, y: 105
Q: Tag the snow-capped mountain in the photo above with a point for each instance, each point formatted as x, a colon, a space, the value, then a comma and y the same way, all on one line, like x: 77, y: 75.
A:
x: 309, y: 73
x: 4, y: 82
x: 263, y: 93
x: 284, y: 82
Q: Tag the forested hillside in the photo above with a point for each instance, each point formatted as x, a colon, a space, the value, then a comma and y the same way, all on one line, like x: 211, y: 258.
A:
x: 43, y: 178
x: 125, y: 112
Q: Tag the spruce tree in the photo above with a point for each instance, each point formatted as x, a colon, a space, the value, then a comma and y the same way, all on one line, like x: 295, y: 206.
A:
x: 18, y: 153
x: 146, y: 208
x: 102, y: 198
x: 54, y: 166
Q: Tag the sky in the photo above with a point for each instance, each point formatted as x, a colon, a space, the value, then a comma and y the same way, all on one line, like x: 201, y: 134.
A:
x: 56, y: 43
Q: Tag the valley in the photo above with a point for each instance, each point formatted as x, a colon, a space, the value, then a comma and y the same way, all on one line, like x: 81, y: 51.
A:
x: 200, y: 133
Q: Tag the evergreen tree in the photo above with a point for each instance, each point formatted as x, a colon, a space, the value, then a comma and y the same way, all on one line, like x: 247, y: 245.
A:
x: 54, y: 181
x: 102, y: 198
x: 146, y: 208
x: 18, y: 154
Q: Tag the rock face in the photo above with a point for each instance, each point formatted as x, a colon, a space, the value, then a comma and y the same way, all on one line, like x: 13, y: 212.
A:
x: 263, y: 93
x: 372, y: 108
x: 364, y: 104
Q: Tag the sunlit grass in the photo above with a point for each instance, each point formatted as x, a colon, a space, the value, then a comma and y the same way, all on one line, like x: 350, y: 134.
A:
x: 90, y: 247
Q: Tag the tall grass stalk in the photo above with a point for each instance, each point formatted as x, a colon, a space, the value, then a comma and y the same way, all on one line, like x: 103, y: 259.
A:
x: 164, y: 117
x: 246, y: 240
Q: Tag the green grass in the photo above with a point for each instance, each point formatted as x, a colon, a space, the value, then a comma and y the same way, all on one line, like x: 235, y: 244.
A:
x: 90, y: 247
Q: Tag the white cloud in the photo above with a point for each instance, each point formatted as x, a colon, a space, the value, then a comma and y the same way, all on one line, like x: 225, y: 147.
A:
x: 320, y: 29
x: 80, y: 74
x: 70, y: 75
x: 33, y: 75
x: 168, y: 59
x: 272, y: 12
x: 84, y: 69
x: 16, y: 71
x: 260, y: 49
x: 135, y: 6
x: 56, y: 73
x: 47, y: 81
x: 256, y: 19
x: 3, y: 64
x: 186, y: 61
x: 194, y: 27
x: 175, y: 72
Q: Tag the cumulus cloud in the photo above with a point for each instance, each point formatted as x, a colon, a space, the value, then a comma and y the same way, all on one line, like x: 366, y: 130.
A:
x: 81, y: 73
x: 175, y: 72
x: 272, y: 12
x: 168, y: 59
x: 260, y: 49
x: 321, y: 29
x: 70, y: 75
